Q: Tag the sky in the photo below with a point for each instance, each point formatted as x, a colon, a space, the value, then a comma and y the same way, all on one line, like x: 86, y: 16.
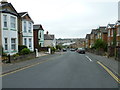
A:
x: 69, y: 18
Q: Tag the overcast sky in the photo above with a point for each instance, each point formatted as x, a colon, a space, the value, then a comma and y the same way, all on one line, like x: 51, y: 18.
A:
x: 69, y: 18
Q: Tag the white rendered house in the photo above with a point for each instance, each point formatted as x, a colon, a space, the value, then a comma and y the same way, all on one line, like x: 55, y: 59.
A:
x: 9, y: 28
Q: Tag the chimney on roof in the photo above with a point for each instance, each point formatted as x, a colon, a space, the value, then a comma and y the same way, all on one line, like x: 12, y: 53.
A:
x: 47, y: 32
x: 4, y: 1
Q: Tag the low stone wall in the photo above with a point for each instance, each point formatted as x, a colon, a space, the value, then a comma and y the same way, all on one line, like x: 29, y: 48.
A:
x: 20, y: 58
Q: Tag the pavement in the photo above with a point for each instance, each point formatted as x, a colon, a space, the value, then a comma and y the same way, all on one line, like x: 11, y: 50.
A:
x: 111, y: 63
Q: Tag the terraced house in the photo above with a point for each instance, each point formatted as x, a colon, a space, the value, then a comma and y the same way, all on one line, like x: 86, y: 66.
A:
x: 26, y: 30
x: 38, y: 36
x: 9, y: 28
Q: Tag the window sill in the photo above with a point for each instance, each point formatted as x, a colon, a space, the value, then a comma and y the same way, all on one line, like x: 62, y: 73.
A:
x: 13, y: 29
x: 5, y: 28
x: 13, y: 51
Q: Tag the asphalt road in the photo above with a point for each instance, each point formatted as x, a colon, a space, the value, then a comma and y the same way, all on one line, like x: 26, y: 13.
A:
x: 69, y: 70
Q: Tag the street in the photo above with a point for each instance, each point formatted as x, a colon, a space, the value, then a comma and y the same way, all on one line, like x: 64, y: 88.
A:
x: 68, y: 70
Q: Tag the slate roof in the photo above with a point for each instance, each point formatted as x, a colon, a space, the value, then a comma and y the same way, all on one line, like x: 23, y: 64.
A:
x: 7, y: 10
x: 22, y: 13
x: 48, y: 37
x: 88, y: 36
x: 38, y: 27
x: 111, y: 25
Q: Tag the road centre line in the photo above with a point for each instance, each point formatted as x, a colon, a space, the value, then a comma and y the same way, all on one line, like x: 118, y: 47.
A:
x: 88, y: 58
x: 114, y: 76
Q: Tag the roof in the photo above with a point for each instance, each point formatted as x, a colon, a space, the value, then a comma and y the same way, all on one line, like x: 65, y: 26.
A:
x: 6, y: 10
x: 38, y: 27
x: 48, y: 37
x: 94, y: 31
x: 87, y: 36
x: 111, y: 25
x: 22, y: 14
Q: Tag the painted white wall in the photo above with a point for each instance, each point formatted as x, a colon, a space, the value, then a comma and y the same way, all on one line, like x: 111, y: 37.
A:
x: 28, y: 35
x: 9, y: 33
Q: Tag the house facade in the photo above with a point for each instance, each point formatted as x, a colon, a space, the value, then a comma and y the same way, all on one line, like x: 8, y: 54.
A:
x: 49, y: 40
x: 117, y: 27
x: 26, y: 30
x: 110, y: 28
x: 87, y: 41
x: 102, y: 33
x: 9, y: 28
x: 93, y: 37
x: 38, y: 36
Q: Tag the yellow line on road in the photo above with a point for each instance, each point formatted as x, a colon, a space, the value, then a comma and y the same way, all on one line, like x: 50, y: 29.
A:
x: 114, y: 76
x: 24, y: 68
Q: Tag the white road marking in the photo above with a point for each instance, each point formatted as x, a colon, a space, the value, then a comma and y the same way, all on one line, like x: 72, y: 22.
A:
x: 89, y: 59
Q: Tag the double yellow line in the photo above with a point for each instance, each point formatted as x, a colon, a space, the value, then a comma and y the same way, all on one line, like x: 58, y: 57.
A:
x: 23, y: 68
x: 114, y: 76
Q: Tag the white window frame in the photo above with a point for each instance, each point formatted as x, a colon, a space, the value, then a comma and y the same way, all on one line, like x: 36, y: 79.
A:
x: 109, y: 33
x: 30, y: 42
x: 25, y: 26
x: 30, y: 27
x: 5, y: 20
x: 118, y: 31
x: 25, y: 41
x: 13, y: 22
x: 13, y: 44
x: 5, y: 44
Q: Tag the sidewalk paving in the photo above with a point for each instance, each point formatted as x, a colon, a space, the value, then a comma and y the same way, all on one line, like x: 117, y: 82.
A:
x: 111, y: 63
x: 14, y: 66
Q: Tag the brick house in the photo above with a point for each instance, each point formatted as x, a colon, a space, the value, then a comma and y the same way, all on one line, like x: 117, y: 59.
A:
x: 87, y: 41
x: 117, y: 27
x: 38, y: 36
x: 26, y: 30
x: 93, y: 37
x: 102, y: 33
x: 8, y: 28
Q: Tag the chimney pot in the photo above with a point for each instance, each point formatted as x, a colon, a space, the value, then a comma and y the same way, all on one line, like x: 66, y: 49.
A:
x: 47, y: 32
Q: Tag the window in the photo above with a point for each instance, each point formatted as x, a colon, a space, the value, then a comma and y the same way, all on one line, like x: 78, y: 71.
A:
x: 4, y: 20
x: 13, y: 44
x: 13, y: 22
x: 6, y: 44
x: 30, y: 43
x: 112, y: 32
x: 30, y: 27
x: 25, y: 41
x: 118, y: 31
x: 25, y: 26
x: 108, y: 33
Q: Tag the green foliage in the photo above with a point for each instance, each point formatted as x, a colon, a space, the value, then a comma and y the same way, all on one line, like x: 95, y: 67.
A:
x: 25, y: 51
x: 58, y: 47
x: 20, y: 47
x: 16, y: 55
x: 100, y: 44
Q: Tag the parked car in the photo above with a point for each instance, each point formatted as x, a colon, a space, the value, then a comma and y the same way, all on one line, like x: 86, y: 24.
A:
x: 64, y: 50
x: 81, y: 50
x: 72, y: 49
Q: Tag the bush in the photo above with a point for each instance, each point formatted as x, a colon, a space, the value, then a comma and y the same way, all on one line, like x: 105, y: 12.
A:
x: 21, y: 47
x: 25, y: 51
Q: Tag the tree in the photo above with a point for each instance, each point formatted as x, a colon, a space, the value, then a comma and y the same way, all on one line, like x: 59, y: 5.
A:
x: 100, y: 44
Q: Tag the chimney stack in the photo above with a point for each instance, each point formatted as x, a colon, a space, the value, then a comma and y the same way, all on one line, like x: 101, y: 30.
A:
x: 3, y: 1
x: 47, y: 32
